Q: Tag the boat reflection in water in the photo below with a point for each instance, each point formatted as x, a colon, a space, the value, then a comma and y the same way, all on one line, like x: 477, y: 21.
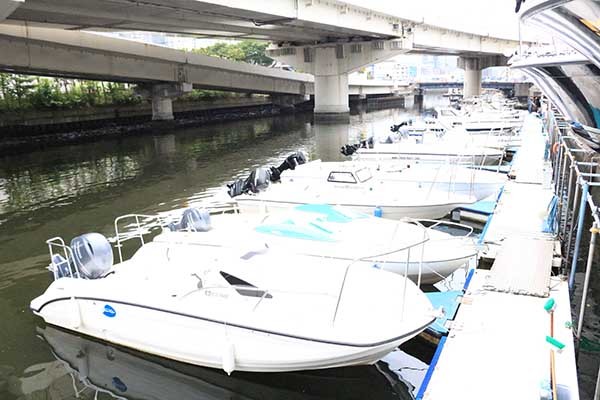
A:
x: 100, y: 370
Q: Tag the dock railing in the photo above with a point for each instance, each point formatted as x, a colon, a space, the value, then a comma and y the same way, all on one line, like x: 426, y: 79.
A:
x: 576, y: 175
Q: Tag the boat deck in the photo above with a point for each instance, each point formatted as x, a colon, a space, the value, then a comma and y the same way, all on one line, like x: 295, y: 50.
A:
x: 496, y: 346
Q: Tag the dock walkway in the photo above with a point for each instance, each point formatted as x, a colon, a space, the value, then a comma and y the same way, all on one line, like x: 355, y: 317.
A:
x: 496, y: 347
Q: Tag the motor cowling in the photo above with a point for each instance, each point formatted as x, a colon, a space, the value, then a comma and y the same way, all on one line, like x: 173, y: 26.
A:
x: 92, y: 255
x: 194, y: 220
x: 258, y: 180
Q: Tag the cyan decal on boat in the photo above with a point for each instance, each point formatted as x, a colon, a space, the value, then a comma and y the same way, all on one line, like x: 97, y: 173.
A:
x: 330, y: 213
x: 291, y: 230
x: 109, y: 311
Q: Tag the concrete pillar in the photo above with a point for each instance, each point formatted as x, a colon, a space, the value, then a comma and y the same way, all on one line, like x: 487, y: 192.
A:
x: 472, y: 84
x: 331, y: 86
x: 331, y: 97
x: 161, y: 95
x: 162, y: 108
x: 473, y: 67
x: 331, y: 63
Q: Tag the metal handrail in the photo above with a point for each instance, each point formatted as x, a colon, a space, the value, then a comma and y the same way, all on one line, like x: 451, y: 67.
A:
x: 138, y: 233
x: 67, y: 253
x: 364, y: 258
x: 574, y: 204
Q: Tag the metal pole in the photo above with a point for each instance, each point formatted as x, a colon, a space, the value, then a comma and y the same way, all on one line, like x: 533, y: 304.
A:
x: 567, y: 206
x: 580, y: 220
x: 586, y: 282
x: 570, y: 237
x: 597, y: 395
x: 561, y: 188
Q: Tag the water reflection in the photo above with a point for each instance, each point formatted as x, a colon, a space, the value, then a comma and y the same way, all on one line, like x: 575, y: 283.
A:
x: 88, y: 369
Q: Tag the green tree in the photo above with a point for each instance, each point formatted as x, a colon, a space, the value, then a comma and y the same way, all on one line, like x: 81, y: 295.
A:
x: 250, y: 51
x: 20, y: 87
x: 255, y: 52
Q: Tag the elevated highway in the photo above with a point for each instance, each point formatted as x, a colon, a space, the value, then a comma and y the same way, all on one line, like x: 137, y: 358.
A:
x: 164, y: 72
x: 328, y: 39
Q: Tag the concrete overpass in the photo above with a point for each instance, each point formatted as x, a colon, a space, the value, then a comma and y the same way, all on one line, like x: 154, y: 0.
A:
x: 328, y: 39
x: 164, y: 72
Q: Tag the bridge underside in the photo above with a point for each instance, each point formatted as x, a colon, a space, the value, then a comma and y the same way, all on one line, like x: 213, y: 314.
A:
x: 282, y: 20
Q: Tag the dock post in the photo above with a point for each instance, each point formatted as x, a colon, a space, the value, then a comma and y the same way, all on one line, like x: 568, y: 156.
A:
x: 586, y: 281
x: 580, y: 221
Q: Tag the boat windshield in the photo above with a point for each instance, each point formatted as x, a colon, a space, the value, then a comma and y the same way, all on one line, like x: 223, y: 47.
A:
x: 341, y: 177
x: 447, y: 113
x: 363, y: 174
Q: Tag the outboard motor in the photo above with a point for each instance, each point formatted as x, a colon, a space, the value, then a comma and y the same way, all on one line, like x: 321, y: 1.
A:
x: 396, y: 128
x: 236, y: 188
x: 291, y: 162
x: 259, y: 179
x: 350, y: 149
x: 194, y: 220
x: 92, y: 255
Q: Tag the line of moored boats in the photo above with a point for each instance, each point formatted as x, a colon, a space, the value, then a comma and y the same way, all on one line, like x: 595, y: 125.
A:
x: 314, y: 265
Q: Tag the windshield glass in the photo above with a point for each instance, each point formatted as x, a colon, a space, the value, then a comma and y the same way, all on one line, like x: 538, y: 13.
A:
x: 363, y: 174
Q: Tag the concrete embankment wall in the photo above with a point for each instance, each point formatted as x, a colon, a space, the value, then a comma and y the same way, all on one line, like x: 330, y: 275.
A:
x: 37, y: 130
x: 35, y: 122
x: 34, y: 130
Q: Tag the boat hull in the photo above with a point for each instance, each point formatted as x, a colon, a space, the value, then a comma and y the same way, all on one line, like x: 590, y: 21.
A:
x: 476, y: 159
x: 194, y: 340
x: 249, y: 203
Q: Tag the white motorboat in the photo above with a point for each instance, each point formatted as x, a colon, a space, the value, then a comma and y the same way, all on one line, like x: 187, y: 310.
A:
x: 480, y: 121
x: 429, y: 152
x: 249, y: 308
x: 426, y: 255
x: 443, y: 177
x: 357, y: 189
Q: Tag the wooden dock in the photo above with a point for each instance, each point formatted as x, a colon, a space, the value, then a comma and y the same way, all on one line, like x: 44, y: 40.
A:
x: 497, y: 347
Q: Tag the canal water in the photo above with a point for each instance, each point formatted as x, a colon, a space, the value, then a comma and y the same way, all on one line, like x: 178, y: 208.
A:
x: 71, y: 190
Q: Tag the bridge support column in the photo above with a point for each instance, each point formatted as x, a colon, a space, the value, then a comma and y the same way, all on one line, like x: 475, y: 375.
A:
x: 472, y: 86
x: 331, y: 63
x: 162, y: 95
x: 331, y: 86
x: 162, y: 108
x: 473, y: 67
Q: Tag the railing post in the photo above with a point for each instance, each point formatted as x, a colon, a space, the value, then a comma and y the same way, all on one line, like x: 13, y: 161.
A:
x: 569, y: 192
x: 580, y: 221
x: 597, y: 394
x: 586, y: 281
x: 557, y: 167
x: 571, y: 225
